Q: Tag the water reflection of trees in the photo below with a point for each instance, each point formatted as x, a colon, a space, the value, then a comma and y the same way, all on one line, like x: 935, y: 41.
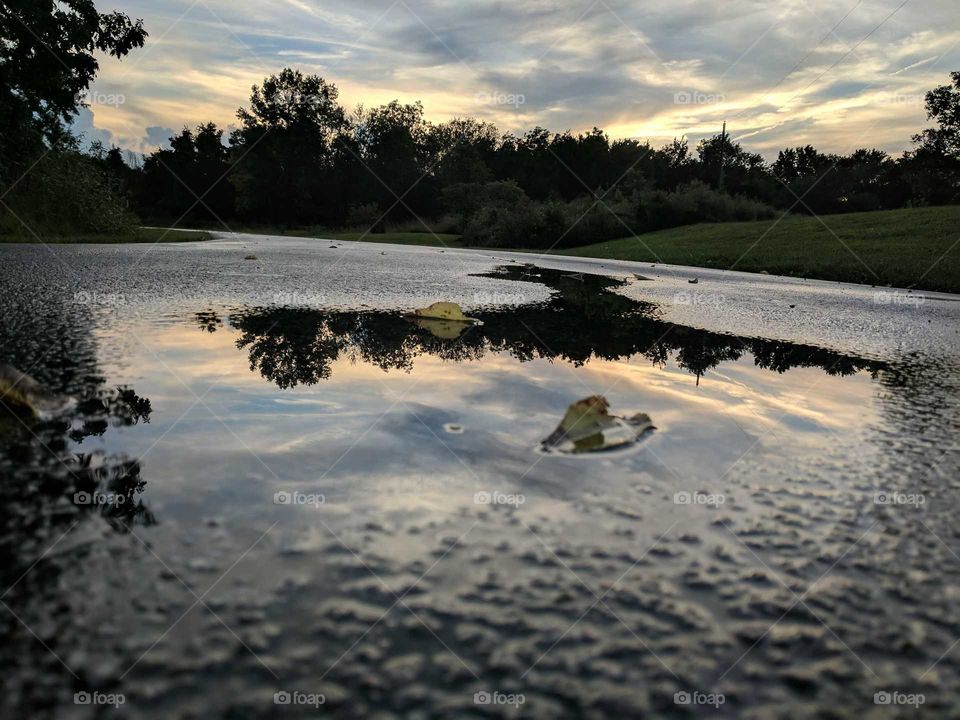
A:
x: 583, y: 319
x: 50, y: 481
x: 42, y: 462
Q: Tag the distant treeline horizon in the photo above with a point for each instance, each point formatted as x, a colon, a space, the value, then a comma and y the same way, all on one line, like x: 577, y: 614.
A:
x: 300, y: 159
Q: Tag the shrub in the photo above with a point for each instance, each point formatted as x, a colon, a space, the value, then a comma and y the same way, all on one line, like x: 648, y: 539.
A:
x: 363, y: 215
x: 467, y: 199
x: 66, y: 192
x: 544, y: 225
x: 695, y: 203
x: 498, y: 218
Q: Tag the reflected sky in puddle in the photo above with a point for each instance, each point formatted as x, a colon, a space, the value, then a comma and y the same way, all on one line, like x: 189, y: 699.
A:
x: 355, y: 406
x: 518, y: 403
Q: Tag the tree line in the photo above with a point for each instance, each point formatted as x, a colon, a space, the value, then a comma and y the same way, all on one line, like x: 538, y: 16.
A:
x: 298, y: 157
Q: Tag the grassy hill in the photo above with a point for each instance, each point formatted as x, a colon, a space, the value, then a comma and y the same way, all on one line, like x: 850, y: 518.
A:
x: 905, y: 248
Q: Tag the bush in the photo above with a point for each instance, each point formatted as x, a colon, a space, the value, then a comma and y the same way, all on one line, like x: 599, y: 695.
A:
x: 65, y: 193
x: 592, y: 222
x: 467, y: 199
x: 440, y: 226
x: 546, y: 224
x: 497, y: 217
x: 363, y: 215
x: 695, y: 203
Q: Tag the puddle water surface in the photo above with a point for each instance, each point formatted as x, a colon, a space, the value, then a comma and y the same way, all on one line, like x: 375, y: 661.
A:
x: 333, y: 499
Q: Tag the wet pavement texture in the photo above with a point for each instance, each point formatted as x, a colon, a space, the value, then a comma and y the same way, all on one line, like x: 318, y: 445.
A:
x: 272, y: 481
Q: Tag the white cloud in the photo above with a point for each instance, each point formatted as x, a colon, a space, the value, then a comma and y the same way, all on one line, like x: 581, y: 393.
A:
x: 786, y: 73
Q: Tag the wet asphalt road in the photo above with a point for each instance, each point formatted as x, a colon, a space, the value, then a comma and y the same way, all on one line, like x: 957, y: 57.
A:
x: 785, y: 544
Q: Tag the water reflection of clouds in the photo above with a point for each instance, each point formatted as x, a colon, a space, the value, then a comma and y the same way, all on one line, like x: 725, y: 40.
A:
x: 369, y: 436
x: 804, y: 396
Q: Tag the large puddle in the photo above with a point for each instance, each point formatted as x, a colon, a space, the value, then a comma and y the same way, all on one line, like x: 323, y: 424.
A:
x: 314, y: 494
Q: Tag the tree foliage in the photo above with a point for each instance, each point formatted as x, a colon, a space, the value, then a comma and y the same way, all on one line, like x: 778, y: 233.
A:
x: 286, y: 153
x: 47, y: 60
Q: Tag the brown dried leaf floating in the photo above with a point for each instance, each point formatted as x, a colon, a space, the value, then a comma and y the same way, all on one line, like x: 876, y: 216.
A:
x: 588, y: 426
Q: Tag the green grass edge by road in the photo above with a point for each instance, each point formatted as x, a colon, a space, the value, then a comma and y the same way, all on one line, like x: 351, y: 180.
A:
x: 142, y: 235
x: 913, y: 248
x: 910, y: 248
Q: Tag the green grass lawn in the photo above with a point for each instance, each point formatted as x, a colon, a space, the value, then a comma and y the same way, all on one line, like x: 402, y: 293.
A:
x: 917, y: 247
x: 904, y: 248
x: 143, y: 235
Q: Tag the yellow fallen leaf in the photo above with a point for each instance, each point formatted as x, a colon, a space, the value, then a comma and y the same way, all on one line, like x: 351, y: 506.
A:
x: 442, y: 311
x: 585, y: 414
x: 14, y: 401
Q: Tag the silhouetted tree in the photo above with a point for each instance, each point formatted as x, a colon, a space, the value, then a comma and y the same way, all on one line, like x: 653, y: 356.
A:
x: 284, y: 154
x: 943, y: 105
x: 188, y: 179
x: 47, y: 59
x: 933, y: 169
x: 396, y: 148
x: 299, y: 158
x: 725, y: 165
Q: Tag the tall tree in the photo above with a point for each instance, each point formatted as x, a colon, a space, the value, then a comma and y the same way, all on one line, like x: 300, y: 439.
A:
x: 193, y: 167
x: 285, y: 151
x: 943, y: 105
x: 395, y: 142
x: 933, y: 169
x: 47, y: 59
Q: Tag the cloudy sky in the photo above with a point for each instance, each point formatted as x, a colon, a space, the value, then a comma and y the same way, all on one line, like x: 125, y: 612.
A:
x: 839, y: 74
